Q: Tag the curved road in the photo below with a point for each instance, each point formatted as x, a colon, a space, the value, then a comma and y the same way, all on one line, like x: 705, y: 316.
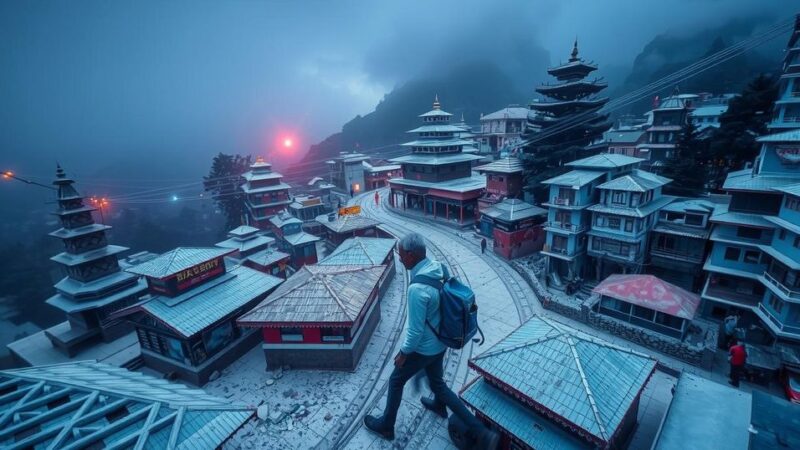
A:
x: 504, y: 300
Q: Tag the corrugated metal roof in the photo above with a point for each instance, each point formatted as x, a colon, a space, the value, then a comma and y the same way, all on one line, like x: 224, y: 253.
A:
x: 522, y: 422
x: 243, y: 230
x: 583, y: 380
x: 723, y: 215
x: 300, y: 238
x: 792, y: 189
x: 435, y: 112
x: 314, y: 294
x: 575, y: 178
x: 146, y: 409
x: 605, y: 161
x: 283, y: 218
x: 434, y: 159
x: 786, y: 136
x: 247, y: 188
x: 176, y: 260
x: 642, y: 211
x: 691, y: 205
x: 348, y: 223
x: 201, y: 307
x: 267, y: 257
x: 245, y: 244
x: 650, y: 292
x: 510, y: 112
x: 512, y: 209
x: 436, y: 143
x: 636, y: 181
x: 504, y: 165
x: 458, y: 185
x: 360, y: 251
x: 447, y: 128
x: 622, y: 136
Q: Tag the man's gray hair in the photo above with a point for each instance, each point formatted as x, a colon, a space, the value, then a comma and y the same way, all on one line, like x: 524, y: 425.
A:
x: 413, y: 243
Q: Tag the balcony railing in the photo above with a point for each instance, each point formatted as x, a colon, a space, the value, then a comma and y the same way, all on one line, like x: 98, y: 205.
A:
x: 566, y: 226
x: 791, y: 119
x: 560, y: 250
x: 631, y: 256
x: 731, y: 295
x: 790, y: 293
x: 564, y: 201
x: 676, y: 254
x: 777, y: 323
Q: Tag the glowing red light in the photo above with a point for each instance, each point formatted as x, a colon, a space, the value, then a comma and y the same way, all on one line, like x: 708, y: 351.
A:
x: 287, y: 142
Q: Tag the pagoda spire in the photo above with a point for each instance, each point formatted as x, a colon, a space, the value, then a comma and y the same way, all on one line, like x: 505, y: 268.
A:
x: 436, y: 104
x: 574, y: 54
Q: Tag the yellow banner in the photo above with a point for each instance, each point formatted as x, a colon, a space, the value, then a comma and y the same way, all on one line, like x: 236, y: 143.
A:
x: 350, y: 210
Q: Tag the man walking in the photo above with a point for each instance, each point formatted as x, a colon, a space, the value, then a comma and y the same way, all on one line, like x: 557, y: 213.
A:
x: 737, y: 357
x: 422, y: 350
x: 483, y: 245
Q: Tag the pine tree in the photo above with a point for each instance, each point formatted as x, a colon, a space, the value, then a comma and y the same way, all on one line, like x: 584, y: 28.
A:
x: 223, y: 181
x: 687, y: 167
x: 734, y: 143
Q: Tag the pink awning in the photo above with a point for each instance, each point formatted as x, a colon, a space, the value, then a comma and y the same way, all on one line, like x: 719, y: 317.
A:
x: 650, y: 292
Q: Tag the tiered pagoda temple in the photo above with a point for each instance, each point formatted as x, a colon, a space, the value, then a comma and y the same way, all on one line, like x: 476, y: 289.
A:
x: 437, y: 175
x: 245, y: 241
x: 572, y: 96
x: 94, y: 286
x: 265, y: 193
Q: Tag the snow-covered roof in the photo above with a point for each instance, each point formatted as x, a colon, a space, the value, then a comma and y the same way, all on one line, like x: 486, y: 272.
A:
x: 605, y: 161
x: 792, y: 189
x: 377, y: 169
x: 745, y: 180
x: 623, y: 136
x: 636, y: 181
x: 67, y: 233
x: 335, y: 295
x: 434, y: 159
x: 690, y: 205
x: 650, y: 292
x: 195, y: 310
x: 512, y: 209
x: 435, y: 113
x: 178, y: 259
x: 568, y: 376
x: 267, y: 256
x: 641, y: 211
x: 505, y: 165
x: 72, y: 259
x: 243, y: 230
x: 255, y: 190
x: 65, y: 300
x: 510, y: 112
x: 575, y: 178
x: 300, y: 238
x: 282, y: 219
x: 465, y: 184
x: 347, y: 223
x: 437, y: 143
x: 786, y: 136
x: 709, y: 111
x: 158, y: 413
x: 244, y: 245
x: 722, y: 214
x: 445, y: 128
x: 360, y: 251
x: 256, y: 176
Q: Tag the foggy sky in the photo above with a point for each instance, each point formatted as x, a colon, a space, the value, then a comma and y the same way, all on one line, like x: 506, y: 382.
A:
x: 98, y: 85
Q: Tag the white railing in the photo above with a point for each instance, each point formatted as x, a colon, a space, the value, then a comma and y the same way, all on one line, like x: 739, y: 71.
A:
x: 777, y: 323
x: 561, y: 201
x: 566, y: 226
x: 795, y: 295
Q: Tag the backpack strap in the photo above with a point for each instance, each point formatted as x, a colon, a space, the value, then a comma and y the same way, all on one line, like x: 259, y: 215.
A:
x: 436, y: 284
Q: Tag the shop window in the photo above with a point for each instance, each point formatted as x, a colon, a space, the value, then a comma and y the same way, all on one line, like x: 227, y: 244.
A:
x: 643, y: 313
x: 173, y: 348
x: 616, y: 305
x: 218, y: 337
x: 694, y: 220
x: 669, y: 321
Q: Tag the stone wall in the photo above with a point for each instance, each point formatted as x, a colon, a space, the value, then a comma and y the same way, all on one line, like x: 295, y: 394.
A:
x: 700, y: 353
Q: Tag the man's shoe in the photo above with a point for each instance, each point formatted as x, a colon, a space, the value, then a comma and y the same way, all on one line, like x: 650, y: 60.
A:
x: 376, y: 426
x: 431, y: 405
x: 489, y: 440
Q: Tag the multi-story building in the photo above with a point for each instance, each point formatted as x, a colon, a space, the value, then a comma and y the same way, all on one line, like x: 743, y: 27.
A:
x: 503, y: 127
x: 265, y: 193
x: 679, y: 242
x: 608, y: 195
x: 669, y: 118
x: 378, y: 176
x: 503, y: 180
x: 347, y: 172
x: 754, y: 263
x: 437, y: 176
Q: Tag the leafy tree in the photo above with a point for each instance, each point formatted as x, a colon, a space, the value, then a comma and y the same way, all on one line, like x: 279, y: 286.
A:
x: 734, y: 143
x: 223, y: 181
x: 687, y: 167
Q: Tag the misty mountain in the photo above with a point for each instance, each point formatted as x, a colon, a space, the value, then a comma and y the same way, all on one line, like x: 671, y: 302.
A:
x: 470, y: 89
x: 668, y: 53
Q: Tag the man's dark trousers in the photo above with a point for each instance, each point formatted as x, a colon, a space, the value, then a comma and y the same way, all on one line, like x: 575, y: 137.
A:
x: 736, y: 374
x: 434, y: 369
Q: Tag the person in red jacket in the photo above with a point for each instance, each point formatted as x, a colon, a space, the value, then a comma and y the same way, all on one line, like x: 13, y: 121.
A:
x: 737, y: 356
x: 377, y: 198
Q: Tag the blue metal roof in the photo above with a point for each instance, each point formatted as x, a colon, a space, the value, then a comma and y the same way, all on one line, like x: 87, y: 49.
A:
x: 83, y: 404
x: 585, y: 381
x: 360, y: 251
x: 201, y: 307
x: 517, y: 419
x: 178, y: 259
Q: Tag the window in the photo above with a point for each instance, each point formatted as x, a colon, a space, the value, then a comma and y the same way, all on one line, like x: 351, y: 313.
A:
x: 628, y: 225
x: 732, y: 253
x: 218, y: 337
x: 643, y: 313
x: 292, y: 334
x: 775, y: 303
x: 694, y: 219
x: 613, y: 222
x: 748, y: 233
x: 616, y: 305
x: 334, y: 334
x: 618, y: 197
x: 635, y: 199
x: 796, y: 243
x: 752, y: 256
x: 669, y: 321
x: 173, y: 348
x: 782, y: 234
